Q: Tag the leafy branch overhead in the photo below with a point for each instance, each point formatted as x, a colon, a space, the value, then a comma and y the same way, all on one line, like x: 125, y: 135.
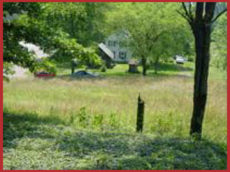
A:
x: 35, y: 23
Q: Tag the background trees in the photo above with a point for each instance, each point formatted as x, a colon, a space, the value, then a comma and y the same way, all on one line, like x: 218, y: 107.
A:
x: 82, y: 21
x: 72, y: 30
x: 219, y: 43
x: 151, y: 30
x: 15, y: 30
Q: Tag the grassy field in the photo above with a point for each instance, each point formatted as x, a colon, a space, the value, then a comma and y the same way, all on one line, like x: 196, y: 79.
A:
x: 67, y: 123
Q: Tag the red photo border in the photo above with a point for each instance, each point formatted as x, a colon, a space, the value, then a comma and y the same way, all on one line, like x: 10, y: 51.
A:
x: 1, y: 77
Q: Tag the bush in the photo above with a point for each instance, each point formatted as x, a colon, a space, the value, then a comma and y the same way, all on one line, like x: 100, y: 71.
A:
x: 46, y: 65
x: 190, y: 58
x: 7, y: 70
x: 91, y: 59
x: 103, y: 68
x: 71, y: 49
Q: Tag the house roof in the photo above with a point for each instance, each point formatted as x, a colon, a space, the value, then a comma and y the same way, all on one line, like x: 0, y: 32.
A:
x: 106, y: 50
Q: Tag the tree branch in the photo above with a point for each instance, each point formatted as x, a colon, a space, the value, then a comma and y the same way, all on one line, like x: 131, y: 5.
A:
x: 190, y: 10
x: 222, y: 12
x: 184, y: 16
x: 187, y: 13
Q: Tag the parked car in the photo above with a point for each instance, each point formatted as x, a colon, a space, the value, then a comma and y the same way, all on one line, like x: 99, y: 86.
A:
x: 179, y: 59
x: 83, y: 73
x: 44, y: 74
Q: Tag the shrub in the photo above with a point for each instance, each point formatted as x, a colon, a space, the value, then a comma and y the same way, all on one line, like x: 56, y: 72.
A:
x: 46, y: 65
x: 103, y: 68
x: 190, y: 58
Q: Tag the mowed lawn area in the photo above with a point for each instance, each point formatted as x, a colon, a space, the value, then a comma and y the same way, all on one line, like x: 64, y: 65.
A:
x: 67, y: 123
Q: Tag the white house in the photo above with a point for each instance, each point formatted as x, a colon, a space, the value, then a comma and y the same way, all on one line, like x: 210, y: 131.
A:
x: 38, y: 52
x: 115, y: 43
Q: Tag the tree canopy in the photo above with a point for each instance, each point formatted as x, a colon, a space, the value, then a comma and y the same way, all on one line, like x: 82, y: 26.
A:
x: 72, y: 30
x: 31, y: 22
x: 151, y: 30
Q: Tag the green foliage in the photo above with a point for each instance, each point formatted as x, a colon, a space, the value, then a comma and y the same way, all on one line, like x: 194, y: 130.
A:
x: 7, y: 70
x: 46, y: 65
x: 219, y: 44
x: 68, y: 49
x: 16, y: 24
x: 153, y: 34
x: 64, y: 29
x: 190, y: 58
x: 103, y: 68
x: 98, y: 121
x: 113, y: 121
x: 84, y: 21
x: 83, y: 118
x: 31, y: 22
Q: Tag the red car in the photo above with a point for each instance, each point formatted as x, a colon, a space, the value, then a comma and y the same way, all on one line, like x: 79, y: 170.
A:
x: 44, y: 75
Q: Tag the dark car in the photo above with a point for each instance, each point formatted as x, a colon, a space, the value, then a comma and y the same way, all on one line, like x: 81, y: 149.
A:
x: 44, y: 74
x: 83, y: 73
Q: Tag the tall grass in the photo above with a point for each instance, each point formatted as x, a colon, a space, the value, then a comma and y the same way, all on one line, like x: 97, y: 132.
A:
x: 67, y: 123
x: 110, y: 103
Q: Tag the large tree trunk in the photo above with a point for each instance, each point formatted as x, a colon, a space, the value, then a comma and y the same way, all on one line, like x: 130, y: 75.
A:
x: 201, y: 24
x: 202, y: 44
x: 202, y: 33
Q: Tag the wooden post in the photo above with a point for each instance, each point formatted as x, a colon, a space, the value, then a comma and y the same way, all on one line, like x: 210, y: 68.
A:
x: 140, y: 114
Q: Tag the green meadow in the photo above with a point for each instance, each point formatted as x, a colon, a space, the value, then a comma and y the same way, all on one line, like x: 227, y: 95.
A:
x: 70, y: 123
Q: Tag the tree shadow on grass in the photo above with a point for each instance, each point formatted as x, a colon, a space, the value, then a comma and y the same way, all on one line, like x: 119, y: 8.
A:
x: 134, y: 151
x: 106, y: 150
x: 16, y: 126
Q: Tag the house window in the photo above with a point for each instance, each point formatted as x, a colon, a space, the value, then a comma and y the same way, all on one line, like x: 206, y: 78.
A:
x: 112, y: 43
x: 114, y: 53
x: 122, y: 55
